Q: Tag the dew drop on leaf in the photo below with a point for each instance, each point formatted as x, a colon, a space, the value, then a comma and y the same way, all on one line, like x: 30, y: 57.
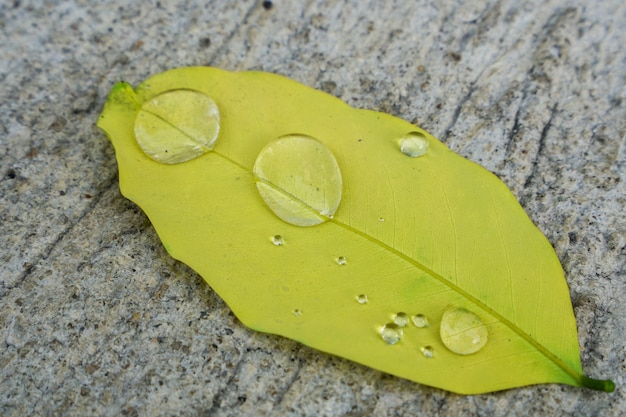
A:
x: 401, y: 319
x: 278, y: 240
x: 414, y: 144
x: 297, y: 312
x: 420, y: 320
x: 391, y: 333
x: 341, y: 260
x: 177, y: 126
x: 299, y: 179
x: 428, y: 351
x: 362, y: 299
x: 462, y: 331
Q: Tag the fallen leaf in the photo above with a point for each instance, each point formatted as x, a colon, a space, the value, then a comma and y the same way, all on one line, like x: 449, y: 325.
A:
x: 350, y: 231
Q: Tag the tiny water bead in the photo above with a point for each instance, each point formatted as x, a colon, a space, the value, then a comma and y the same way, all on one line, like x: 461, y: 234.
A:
x: 462, y: 331
x: 341, y: 260
x: 278, y: 240
x: 420, y: 320
x: 299, y: 179
x: 414, y: 144
x: 401, y: 319
x: 177, y: 126
x: 427, y: 351
x: 362, y: 299
x: 391, y: 333
x: 297, y: 312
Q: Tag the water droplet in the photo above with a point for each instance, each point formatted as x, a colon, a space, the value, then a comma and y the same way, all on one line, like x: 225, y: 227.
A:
x: 381, y: 219
x: 177, y: 126
x: 391, y: 333
x: 428, y: 351
x: 299, y: 180
x: 342, y: 260
x: 297, y: 312
x: 362, y: 298
x: 278, y: 240
x: 401, y: 319
x: 420, y: 320
x: 462, y: 331
x: 414, y: 144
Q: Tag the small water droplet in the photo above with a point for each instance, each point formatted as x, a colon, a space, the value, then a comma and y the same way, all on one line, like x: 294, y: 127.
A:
x: 297, y: 312
x: 362, y: 298
x: 401, y: 319
x: 391, y: 333
x: 414, y: 144
x: 420, y: 320
x: 462, y: 331
x: 428, y: 351
x: 381, y: 219
x: 278, y: 240
x: 177, y: 126
x: 299, y: 179
x: 341, y: 260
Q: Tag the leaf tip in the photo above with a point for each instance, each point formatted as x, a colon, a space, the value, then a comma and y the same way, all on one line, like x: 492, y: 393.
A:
x: 122, y: 92
x: 121, y: 98
x: 605, y: 385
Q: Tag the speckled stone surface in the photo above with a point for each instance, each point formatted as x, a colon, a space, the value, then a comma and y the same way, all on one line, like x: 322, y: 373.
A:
x: 97, y: 319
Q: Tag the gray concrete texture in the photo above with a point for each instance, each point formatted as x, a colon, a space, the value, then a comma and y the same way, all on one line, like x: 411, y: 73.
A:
x: 97, y: 319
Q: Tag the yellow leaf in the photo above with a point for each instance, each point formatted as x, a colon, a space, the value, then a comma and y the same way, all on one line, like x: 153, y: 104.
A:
x: 351, y: 231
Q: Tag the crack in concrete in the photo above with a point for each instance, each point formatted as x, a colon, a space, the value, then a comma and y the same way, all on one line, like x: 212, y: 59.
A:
x: 47, y: 251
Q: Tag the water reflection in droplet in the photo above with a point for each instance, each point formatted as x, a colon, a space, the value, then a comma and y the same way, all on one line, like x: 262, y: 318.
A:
x: 427, y: 351
x: 299, y: 179
x: 177, y: 126
x: 391, y: 333
x: 278, y: 240
x: 401, y: 319
x: 462, y: 331
x: 414, y: 144
x: 362, y: 299
x: 420, y: 320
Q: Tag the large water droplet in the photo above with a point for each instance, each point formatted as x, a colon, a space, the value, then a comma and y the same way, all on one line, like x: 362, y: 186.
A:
x: 362, y: 299
x: 299, y: 180
x: 401, y: 319
x: 341, y: 260
x: 420, y: 320
x: 414, y: 144
x: 177, y: 126
x: 462, y: 331
x: 391, y: 333
x: 428, y: 351
x: 278, y: 240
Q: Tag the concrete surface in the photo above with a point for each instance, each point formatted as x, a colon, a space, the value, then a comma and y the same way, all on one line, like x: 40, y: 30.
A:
x: 96, y: 319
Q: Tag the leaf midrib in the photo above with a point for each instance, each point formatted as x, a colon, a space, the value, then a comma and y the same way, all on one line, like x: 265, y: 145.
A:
x: 175, y: 127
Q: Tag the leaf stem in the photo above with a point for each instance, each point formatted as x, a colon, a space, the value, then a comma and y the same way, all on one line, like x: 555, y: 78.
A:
x: 605, y: 385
